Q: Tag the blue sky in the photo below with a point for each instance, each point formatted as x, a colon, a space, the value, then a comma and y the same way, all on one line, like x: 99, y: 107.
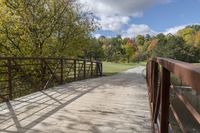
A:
x: 132, y: 17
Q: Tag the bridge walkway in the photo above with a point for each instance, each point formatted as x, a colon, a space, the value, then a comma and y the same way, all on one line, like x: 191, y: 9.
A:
x: 113, y: 104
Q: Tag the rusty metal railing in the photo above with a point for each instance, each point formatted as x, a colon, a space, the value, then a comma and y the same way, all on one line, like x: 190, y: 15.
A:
x: 20, y: 76
x: 170, y: 105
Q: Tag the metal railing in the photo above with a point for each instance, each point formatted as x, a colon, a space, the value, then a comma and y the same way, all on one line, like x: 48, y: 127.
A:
x: 20, y: 76
x: 166, y: 98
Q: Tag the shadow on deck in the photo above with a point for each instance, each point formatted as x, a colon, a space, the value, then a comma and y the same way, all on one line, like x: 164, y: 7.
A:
x: 117, y: 103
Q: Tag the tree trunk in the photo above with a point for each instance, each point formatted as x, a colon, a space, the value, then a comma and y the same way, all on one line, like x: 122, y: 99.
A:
x: 128, y: 59
x: 138, y: 59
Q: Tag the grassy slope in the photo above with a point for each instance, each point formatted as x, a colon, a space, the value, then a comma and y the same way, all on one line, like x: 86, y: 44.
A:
x: 113, y: 68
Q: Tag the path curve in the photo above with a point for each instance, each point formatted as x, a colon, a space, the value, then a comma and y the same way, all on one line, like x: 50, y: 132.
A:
x: 113, y: 104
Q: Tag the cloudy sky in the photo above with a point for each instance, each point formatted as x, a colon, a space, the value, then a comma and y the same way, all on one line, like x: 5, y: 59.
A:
x: 132, y: 17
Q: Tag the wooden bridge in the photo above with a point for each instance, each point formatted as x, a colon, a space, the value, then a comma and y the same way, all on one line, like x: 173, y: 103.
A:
x: 122, y: 103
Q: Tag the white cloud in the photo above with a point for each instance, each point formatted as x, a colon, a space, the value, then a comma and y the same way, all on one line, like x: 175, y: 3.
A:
x: 120, y: 7
x: 96, y: 35
x: 141, y: 29
x: 113, y: 23
x: 174, y: 30
x: 114, y: 14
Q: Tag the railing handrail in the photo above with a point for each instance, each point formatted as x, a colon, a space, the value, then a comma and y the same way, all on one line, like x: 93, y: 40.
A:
x: 159, y: 72
x: 187, y: 72
x: 22, y: 71
x: 56, y: 58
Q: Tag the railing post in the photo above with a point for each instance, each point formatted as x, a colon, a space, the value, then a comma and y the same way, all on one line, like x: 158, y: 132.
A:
x: 165, y: 90
x: 84, y: 69
x: 10, y: 79
x: 101, y: 69
x: 42, y: 70
x: 74, y: 69
x: 97, y: 67
x: 91, y: 65
x: 151, y: 80
x: 61, y: 74
x: 147, y: 74
x: 154, y: 85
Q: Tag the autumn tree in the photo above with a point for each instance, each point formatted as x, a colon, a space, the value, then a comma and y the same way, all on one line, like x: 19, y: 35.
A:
x: 197, y: 39
x: 129, y: 49
x: 187, y: 34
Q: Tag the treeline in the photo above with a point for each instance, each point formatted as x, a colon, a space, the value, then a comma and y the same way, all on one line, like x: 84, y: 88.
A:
x: 184, y: 45
x: 62, y: 28
x: 45, y: 28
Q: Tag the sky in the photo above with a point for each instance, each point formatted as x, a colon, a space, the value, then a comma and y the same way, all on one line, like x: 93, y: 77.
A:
x: 130, y: 18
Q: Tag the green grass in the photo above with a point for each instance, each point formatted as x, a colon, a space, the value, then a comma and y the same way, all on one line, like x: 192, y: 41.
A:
x: 110, y: 68
x: 197, y: 64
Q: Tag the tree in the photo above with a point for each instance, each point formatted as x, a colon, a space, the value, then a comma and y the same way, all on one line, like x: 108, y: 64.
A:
x: 93, y: 50
x: 140, y: 40
x: 44, y: 28
x: 197, y: 39
x: 153, y: 44
x: 187, y: 34
x: 175, y: 48
x: 129, y: 51
x: 194, y: 27
x: 147, y: 37
x: 191, y: 54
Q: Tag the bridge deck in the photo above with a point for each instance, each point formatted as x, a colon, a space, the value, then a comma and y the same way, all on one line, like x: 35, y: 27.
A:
x: 116, y: 103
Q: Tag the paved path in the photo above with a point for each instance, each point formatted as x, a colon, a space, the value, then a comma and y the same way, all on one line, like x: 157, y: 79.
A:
x: 114, y: 104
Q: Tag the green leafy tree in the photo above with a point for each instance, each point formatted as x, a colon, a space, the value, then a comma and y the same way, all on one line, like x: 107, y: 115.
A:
x: 44, y: 28
x: 140, y: 40
x: 187, y: 34
x: 93, y: 50
x: 129, y: 51
x: 197, y: 39
x: 194, y: 27
x: 175, y: 48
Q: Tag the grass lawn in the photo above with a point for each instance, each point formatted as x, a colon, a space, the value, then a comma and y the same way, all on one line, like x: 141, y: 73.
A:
x: 197, y: 64
x: 110, y: 68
